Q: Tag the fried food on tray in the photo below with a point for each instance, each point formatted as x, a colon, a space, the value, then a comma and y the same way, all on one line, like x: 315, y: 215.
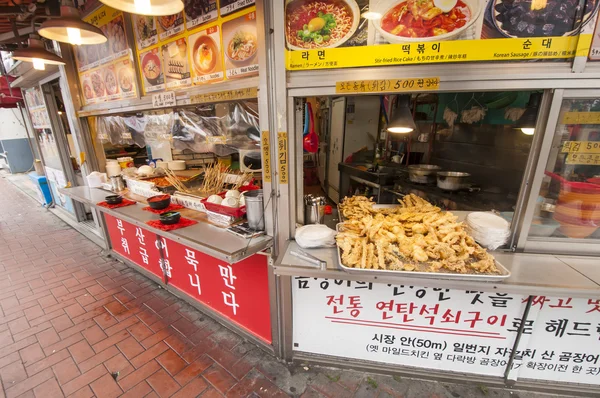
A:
x: 415, y: 236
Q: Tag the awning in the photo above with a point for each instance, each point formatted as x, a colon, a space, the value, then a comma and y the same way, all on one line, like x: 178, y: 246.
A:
x: 9, y: 97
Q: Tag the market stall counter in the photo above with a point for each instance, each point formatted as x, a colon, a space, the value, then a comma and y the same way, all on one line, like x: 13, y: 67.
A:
x: 539, y: 324
x: 221, y: 273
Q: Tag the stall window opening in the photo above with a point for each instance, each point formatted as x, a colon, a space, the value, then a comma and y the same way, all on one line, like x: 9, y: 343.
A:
x: 460, y: 151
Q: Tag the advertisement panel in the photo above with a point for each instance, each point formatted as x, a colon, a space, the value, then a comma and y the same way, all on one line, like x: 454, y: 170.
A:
x: 324, y: 34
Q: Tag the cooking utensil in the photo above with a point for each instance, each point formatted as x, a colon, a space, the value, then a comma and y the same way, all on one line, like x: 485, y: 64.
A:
x: 255, y: 209
x: 309, y: 258
x: 311, y: 140
x: 314, y: 209
x: 453, y: 180
x: 113, y: 199
x: 169, y: 218
x: 117, y: 183
x: 423, y: 173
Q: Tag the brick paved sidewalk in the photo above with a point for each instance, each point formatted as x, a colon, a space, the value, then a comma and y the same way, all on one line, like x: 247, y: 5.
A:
x: 74, y: 323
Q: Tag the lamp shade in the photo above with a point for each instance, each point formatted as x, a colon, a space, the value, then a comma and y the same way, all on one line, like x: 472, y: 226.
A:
x: 402, y: 120
x: 69, y: 28
x: 36, y: 51
x: 146, y: 7
x: 527, y: 121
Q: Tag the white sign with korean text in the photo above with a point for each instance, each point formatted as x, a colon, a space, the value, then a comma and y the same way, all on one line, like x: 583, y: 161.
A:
x: 560, y: 341
x: 435, y: 328
x: 164, y: 99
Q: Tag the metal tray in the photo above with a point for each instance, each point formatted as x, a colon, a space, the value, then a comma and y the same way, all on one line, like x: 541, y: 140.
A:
x: 504, y: 273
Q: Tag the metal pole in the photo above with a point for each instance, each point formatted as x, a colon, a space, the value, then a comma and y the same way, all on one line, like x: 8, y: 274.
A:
x: 517, y: 341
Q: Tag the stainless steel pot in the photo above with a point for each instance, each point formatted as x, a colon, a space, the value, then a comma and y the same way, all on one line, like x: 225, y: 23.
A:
x: 423, y: 173
x: 453, y: 180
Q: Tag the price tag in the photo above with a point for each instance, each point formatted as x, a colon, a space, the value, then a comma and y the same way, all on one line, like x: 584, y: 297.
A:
x: 591, y: 159
x: 266, y: 155
x: 229, y: 95
x: 581, y: 147
x: 282, y: 146
x: 581, y: 118
x: 165, y: 99
x: 387, y: 86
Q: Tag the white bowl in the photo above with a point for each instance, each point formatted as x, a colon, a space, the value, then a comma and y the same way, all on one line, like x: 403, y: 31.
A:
x: 232, y: 193
x: 355, y: 20
x: 216, y: 199
x: 230, y: 202
x: 177, y: 165
x: 384, y: 6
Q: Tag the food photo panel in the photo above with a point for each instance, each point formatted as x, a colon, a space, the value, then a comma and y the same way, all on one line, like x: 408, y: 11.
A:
x: 146, y: 34
x: 206, y: 56
x: 110, y: 83
x: 240, y: 46
x: 152, y: 71
x: 198, y: 12
x: 126, y: 78
x: 176, y: 65
x: 170, y: 25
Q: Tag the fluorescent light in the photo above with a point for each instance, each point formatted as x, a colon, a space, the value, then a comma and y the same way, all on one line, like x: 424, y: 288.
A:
x: 39, y: 64
x: 142, y: 7
x: 74, y: 35
x: 528, y: 131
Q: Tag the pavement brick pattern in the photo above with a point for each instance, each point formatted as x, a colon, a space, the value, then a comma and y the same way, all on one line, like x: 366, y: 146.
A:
x: 74, y: 323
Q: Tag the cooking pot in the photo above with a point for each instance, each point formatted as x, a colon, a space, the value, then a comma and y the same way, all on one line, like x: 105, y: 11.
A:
x: 422, y: 173
x: 453, y: 180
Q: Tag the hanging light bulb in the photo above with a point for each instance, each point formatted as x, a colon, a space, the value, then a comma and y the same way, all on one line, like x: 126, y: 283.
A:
x: 402, y: 120
x: 37, y: 53
x: 146, y: 7
x: 527, y: 121
x: 39, y: 64
x: 69, y: 28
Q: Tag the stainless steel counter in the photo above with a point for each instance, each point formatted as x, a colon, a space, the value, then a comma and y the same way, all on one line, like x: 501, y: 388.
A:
x: 531, y: 274
x: 204, y: 237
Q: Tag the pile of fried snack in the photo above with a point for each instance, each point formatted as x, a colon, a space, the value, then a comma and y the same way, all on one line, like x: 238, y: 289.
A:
x: 415, y: 236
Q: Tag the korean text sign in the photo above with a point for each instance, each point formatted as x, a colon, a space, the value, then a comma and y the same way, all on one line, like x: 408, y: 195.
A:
x: 436, y: 328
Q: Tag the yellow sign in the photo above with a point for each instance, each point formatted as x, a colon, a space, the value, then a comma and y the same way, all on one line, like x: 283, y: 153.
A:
x: 512, y: 49
x: 386, y: 86
x: 591, y: 159
x: 581, y: 118
x: 229, y: 95
x: 581, y: 147
x: 282, y: 146
x: 266, y: 155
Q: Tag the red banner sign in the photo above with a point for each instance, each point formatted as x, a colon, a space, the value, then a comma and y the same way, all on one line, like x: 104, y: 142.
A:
x: 239, y: 292
x: 135, y: 244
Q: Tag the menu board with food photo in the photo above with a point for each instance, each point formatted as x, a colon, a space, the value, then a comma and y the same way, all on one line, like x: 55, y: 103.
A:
x: 198, y: 12
x: 240, y: 45
x: 205, y: 53
x: 37, y: 108
x: 98, y: 87
x: 146, y: 33
x: 230, y: 6
x: 117, y: 41
x: 85, y: 80
x: 170, y: 25
x: 152, y: 71
x: 394, y: 32
x: 110, y: 83
x: 176, y: 65
x: 125, y: 78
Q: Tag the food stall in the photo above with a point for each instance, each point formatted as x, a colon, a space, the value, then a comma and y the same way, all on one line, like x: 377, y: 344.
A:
x: 498, y: 100
x: 492, y: 93
x: 171, y: 107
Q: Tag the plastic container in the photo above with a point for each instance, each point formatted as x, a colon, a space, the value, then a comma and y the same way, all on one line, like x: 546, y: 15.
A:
x: 237, y: 212
x: 113, y: 169
x: 125, y: 162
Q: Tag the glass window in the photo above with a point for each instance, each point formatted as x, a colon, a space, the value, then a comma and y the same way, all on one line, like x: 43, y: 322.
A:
x: 568, y: 204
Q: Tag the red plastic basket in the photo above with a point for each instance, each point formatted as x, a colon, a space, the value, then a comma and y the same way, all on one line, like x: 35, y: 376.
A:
x: 226, y: 210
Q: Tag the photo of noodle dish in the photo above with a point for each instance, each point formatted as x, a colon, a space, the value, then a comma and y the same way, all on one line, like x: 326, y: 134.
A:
x: 110, y: 81
x: 242, y: 46
x: 313, y: 24
x: 421, y: 20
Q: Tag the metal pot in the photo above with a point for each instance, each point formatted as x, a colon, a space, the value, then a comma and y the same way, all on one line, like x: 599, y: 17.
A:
x: 423, y: 173
x: 453, y: 180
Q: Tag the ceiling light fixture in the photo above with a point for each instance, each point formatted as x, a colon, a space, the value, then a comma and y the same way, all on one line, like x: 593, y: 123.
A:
x: 147, y: 7
x: 69, y: 28
x: 37, y: 54
x: 527, y: 121
x: 402, y: 120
